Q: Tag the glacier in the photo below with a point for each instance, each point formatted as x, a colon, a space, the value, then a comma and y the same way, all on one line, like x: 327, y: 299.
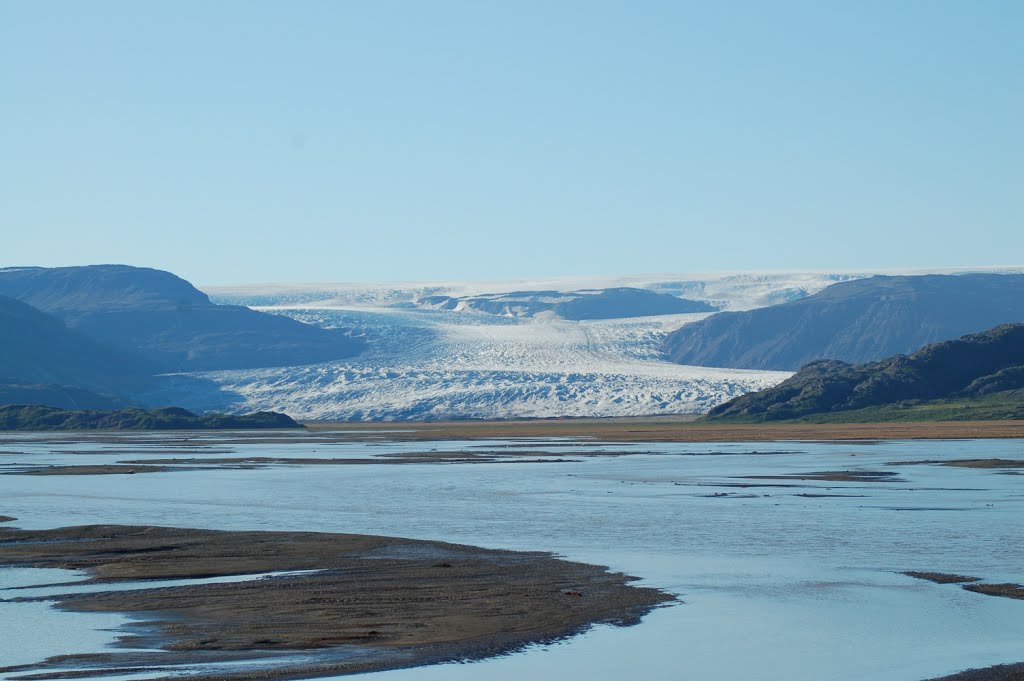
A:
x: 428, y: 364
x: 436, y: 365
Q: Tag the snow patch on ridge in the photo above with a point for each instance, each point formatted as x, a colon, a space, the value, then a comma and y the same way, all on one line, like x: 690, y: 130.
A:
x: 729, y: 290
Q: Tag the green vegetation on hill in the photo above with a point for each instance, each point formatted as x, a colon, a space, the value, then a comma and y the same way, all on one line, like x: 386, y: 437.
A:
x: 976, y: 377
x: 36, y: 418
x: 1007, y: 405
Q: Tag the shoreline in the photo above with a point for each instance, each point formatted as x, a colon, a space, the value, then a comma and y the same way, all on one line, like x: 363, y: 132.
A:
x: 348, y: 603
x: 640, y: 429
x: 149, y: 547
x: 670, y: 429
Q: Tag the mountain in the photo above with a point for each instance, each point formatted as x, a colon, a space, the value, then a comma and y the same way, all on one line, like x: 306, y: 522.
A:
x: 610, y: 303
x: 854, y: 321
x: 169, y: 321
x: 43, y: 361
x: 58, y: 396
x: 971, y: 367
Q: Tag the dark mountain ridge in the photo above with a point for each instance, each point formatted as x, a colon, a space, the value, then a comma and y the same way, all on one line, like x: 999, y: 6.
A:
x: 168, y: 321
x: 853, y: 321
x: 41, y: 357
x: 75, y: 292
x: 973, y: 366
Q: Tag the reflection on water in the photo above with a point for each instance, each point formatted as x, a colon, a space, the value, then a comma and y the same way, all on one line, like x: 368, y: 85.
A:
x: 781, y: 578
x: 32, y: 631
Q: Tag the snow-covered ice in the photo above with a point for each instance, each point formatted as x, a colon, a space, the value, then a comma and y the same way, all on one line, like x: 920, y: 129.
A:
x: 423, y: 363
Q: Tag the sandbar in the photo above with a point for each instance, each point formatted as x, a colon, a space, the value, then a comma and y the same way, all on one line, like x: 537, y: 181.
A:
x: 362, y: 603
x: 672, y: 429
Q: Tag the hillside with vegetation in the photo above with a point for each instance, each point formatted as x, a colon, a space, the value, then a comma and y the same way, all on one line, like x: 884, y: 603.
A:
x: 39, y: 418
x: 978, y: 376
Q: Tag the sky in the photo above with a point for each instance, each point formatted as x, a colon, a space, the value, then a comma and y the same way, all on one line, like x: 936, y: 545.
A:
x: 241, y: 142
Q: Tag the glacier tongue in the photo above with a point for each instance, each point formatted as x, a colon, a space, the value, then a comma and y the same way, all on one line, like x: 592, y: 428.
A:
x: 424, y: 364
x: 464, y: 363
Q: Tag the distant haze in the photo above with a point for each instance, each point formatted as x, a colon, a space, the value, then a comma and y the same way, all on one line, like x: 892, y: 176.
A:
x: 236, y: 142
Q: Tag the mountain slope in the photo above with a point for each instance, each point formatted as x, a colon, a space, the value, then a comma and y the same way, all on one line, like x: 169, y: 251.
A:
x: 44, y: 362
x: 854, y: 321
x: 970, y: 367
x: 58, y: 396
x: 168, y: 320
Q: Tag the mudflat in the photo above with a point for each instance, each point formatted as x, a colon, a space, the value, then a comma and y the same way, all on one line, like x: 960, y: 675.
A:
x: 359, y: 602
x: 675, y: 429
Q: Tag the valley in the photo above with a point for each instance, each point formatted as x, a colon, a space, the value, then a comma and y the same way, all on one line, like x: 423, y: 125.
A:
x: 443, y: 365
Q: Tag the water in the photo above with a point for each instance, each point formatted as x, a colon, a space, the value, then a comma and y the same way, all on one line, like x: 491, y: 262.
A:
x: 775, y: 585
x: 30, y: 632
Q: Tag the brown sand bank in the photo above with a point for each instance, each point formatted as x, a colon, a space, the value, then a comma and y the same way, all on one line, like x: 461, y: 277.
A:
x: 1004, y: 590
x: 132, y: 467
x: 387, y: 458
x: 636, y: 429
x: 374, y: 603
x: 971, y: 584
x: 672, y: 429
x: 966, y: 463
x: 833, y: 476
x: 109, y: 469
x: 941, y: 577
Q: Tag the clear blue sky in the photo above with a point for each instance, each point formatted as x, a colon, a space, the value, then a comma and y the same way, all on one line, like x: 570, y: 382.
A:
x: 237, y: 142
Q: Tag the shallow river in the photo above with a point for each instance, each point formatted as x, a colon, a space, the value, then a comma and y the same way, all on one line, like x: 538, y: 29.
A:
x: 780, y: 579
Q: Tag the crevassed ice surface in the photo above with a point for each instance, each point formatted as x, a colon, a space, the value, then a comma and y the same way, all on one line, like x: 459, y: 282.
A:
x: 424, y: 363
x: 430, y: 364
x: 776, y: 582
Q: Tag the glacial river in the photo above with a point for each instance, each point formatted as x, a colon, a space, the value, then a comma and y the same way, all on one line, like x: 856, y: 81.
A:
x: 780, y: 579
